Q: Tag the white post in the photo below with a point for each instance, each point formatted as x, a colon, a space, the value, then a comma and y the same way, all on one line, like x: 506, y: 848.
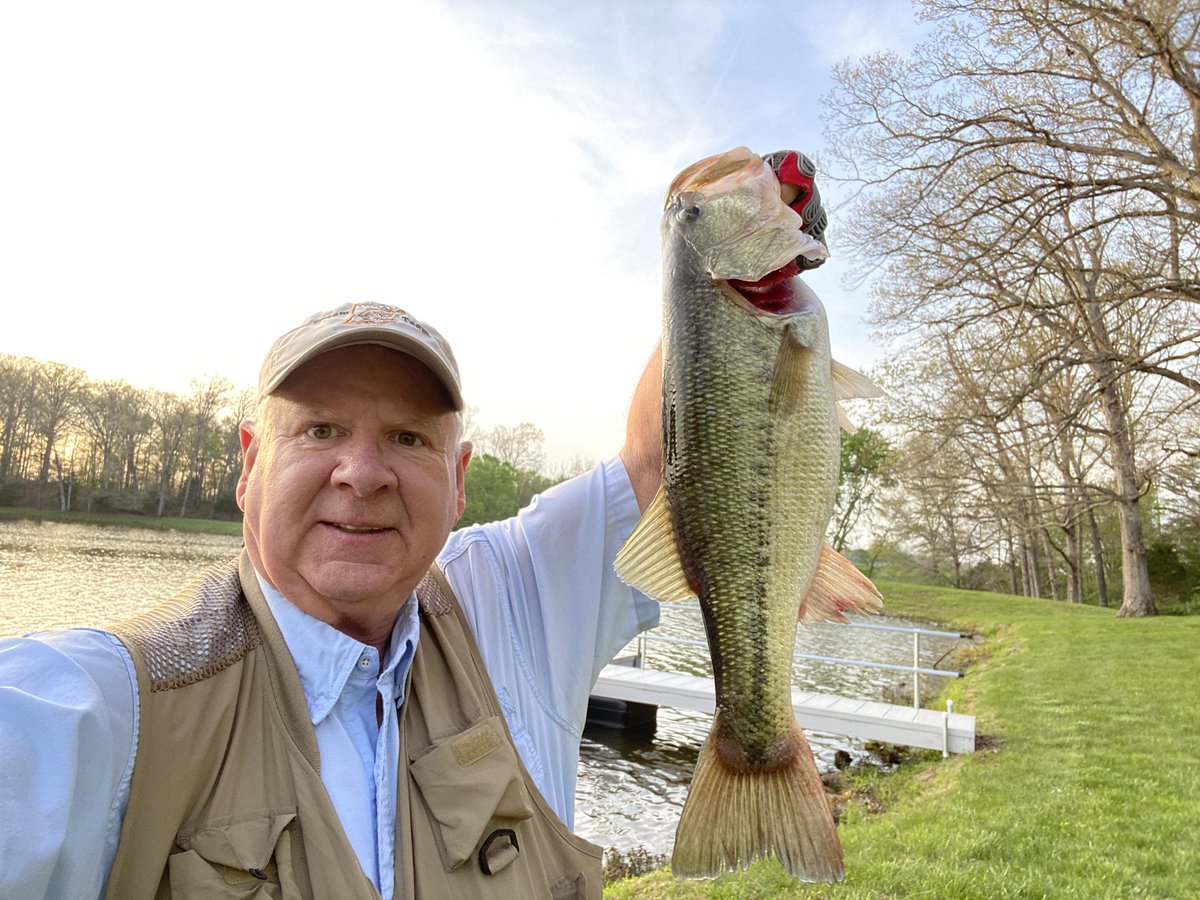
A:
x: 946, y: 728
x: 916, y: 665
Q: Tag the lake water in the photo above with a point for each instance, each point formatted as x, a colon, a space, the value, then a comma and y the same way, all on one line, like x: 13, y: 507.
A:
x: 631, y: 785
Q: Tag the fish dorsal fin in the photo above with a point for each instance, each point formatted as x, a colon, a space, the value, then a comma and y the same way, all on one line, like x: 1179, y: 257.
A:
x: 649, y: 561
x: 837, y: 588
x: 787, y: 380
x: 844, y: 420
x: 849, y: 384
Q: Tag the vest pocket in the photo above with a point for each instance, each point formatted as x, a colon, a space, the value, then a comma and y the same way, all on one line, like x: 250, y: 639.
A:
x: 467, y: 781
x: 246, y: 857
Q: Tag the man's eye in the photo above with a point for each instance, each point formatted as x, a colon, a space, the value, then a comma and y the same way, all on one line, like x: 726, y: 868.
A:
x: 408, y: 439
x: 320, y: 432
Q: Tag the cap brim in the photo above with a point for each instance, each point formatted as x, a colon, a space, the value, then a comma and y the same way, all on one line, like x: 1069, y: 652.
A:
x: 382, y: 337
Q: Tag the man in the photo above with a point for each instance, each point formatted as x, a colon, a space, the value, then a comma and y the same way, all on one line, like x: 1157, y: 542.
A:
x: 358, y: 706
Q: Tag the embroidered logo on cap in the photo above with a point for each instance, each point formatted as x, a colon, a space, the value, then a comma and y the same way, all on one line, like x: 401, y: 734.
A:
x: 380, y: 314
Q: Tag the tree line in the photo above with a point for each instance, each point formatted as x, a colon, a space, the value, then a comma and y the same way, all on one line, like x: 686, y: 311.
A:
x: 1027, y: 208
x: 76, y: 444
x: 79, y: 445
x: 106, y: 446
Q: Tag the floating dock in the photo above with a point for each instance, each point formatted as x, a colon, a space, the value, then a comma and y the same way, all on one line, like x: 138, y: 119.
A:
x: 872, y: 720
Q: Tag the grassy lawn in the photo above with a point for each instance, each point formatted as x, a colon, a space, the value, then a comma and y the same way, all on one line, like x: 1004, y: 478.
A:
x: 205, y: 526
x: 1085, y: 784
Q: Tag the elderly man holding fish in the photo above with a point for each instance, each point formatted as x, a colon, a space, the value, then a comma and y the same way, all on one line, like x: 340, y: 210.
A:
x: 364, y: 704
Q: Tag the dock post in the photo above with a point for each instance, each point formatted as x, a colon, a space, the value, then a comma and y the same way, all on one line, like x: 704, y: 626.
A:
x: 916, y: 667
x: 946, y: 728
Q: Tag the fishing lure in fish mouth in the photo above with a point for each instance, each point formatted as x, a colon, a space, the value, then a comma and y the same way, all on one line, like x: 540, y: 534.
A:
x: 797, y: 178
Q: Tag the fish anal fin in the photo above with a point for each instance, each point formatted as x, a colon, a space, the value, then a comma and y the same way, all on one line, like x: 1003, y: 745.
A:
x: 849, y: 384
x: 838, y: 588
x: 649, y: 561
x: 733, y: 816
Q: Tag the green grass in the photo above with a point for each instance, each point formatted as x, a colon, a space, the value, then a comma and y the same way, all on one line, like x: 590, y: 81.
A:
x: 204, y: 526
x: 1085, y: 783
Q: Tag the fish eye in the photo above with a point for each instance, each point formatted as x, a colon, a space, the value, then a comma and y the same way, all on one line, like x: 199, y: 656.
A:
x: 689, y: 213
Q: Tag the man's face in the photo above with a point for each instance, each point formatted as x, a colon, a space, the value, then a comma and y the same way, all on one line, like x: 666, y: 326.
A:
x: 350, y: 485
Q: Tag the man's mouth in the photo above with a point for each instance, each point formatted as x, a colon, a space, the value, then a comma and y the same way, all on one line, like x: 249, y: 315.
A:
x: 773, y: 292
x: 357, y: 529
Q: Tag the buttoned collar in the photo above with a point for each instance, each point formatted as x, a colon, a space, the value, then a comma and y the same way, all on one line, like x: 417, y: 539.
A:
x: 326, y: 658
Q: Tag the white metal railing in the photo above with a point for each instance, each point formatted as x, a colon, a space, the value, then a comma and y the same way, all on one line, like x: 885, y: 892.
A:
x: 915, y: 669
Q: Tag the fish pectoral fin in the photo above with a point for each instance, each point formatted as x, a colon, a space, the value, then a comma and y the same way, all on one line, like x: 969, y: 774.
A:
x: 787, y: 380
x: 649, y: 561
x: 849, y: 384
x: 844, y: 420
x: 838, y: 587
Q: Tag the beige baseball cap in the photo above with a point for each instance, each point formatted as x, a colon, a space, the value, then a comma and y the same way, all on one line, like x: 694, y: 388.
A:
x: 361, y: 323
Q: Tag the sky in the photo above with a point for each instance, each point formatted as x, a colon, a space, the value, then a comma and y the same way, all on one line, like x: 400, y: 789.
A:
x: 181, y: 183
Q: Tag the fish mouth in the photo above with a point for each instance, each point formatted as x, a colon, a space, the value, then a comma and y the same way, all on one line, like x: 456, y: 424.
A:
x: 773, y: 293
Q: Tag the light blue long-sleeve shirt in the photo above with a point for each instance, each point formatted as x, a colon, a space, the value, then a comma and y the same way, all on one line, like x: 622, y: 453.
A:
x: 547, y: 612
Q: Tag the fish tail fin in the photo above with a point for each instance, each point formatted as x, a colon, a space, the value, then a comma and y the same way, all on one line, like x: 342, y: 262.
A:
x: 731, y: 818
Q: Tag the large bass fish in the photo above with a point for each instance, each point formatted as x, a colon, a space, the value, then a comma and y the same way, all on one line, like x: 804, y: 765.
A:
x: 750, y: 471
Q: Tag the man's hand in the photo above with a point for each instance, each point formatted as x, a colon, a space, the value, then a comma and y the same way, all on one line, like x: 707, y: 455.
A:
x: 642, y: 453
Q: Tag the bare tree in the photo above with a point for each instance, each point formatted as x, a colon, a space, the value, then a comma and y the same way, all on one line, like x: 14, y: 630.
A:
x: 569, y: 468
x: 201, y: 406
x: 16, y: 399
x: 112, y: 420
x: 229, y: 465
x: 521, y: 446
x: 56, y: 392
x: 169, y: 419
x: 1036, y: 165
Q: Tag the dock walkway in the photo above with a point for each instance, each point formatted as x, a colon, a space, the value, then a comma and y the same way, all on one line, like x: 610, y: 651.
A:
x: 866, y: 719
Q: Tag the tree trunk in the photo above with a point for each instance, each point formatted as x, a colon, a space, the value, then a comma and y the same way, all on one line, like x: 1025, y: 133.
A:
x: 1031, y: 563
x: 1051, y: 576
x: 187, y: 495
x: 10, y: 431
x: 1074, y: 551
x: 1137, y: 599
x: 1098, y: 560
x: 1012, y: 566
x: 44, y: 471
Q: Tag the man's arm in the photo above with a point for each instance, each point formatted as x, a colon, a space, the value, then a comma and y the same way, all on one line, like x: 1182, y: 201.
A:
x: 67, y: 714
x: 642, y: 453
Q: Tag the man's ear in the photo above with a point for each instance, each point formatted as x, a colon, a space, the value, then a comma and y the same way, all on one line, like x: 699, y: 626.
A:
x: 248, y: 436
x: 460, y: 469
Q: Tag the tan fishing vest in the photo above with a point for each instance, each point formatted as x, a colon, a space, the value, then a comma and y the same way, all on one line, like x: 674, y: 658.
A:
x: 227, y: 799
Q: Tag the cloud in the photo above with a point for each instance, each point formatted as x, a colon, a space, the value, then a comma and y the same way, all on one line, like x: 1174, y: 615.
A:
x: 859, y: 29
x: 186, y: 183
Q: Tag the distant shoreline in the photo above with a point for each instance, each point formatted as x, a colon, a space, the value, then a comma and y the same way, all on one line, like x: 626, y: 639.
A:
x: 122, y: 520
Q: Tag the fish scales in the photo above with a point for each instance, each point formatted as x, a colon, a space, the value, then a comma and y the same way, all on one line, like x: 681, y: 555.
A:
x: 750, y: 492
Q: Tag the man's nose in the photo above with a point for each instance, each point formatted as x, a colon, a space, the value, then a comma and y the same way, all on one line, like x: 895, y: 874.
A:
x: 364, y: 467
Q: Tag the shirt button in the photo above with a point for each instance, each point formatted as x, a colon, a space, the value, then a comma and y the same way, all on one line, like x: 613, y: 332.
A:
x: 364, y: 663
